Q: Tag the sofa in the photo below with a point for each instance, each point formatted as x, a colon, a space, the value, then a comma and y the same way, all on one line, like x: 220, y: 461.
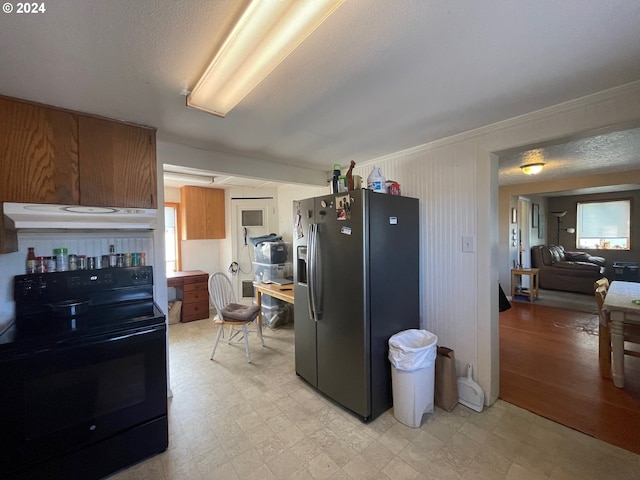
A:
x: 567, y: 271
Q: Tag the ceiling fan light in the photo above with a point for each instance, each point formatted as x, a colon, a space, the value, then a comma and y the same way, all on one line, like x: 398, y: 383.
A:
x: 532, y: 168
x: 267, y: 32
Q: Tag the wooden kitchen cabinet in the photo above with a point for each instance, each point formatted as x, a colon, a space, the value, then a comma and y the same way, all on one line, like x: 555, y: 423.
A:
x: 38, y: 154
x: 117, y: 164
x: 202, y: 212
x: 57, y: 156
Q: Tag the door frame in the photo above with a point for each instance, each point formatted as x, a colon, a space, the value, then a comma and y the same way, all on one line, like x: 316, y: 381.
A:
x: 268, y: 205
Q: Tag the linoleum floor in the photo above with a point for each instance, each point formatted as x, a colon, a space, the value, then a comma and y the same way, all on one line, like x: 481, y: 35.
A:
x: 233, y: 420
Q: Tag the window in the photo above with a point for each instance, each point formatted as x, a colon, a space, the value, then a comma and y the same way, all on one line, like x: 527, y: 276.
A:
x: 172, y: 249
x: 604, y: 225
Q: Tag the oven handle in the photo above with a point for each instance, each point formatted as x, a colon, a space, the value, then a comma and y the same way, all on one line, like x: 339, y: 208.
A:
x: 111, y: 337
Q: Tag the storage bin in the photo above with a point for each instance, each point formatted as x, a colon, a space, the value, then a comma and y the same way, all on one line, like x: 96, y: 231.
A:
x: 266, y: 272
x: 269, y: 301
x: 272, y: 252
x: 269, y: 314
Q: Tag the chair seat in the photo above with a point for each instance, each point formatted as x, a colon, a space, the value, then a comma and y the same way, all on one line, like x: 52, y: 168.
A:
x: 240, y: 313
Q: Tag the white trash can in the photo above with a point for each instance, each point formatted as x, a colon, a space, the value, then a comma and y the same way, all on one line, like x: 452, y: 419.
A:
x: 412, y: 354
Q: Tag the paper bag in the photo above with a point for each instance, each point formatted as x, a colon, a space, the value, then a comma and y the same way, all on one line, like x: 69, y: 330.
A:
x: 174, y: 312
x: 446, y: 381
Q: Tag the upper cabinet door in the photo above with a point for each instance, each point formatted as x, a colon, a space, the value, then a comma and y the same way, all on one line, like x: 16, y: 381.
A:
x: 38, y: 154
x: 117, y: 164
x: 202, y: 212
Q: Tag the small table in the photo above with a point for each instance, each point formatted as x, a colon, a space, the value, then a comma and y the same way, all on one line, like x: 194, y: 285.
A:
x: 619, y: 303
x: 282, y: 292
x: 517, y: 273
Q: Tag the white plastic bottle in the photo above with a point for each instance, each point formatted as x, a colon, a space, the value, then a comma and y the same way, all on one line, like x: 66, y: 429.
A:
x: 376, y: 182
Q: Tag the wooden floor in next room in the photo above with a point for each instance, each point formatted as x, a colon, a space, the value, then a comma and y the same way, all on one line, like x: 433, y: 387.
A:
x: 549, y: 366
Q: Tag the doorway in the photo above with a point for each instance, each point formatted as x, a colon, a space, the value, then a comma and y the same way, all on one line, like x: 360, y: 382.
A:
x: 251, y: 218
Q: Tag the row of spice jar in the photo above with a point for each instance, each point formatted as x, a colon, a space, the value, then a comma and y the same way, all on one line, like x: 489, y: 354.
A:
x: 62, y: 261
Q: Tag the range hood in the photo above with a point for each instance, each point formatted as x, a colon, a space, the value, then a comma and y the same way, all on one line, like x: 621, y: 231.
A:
x: 49, y: 216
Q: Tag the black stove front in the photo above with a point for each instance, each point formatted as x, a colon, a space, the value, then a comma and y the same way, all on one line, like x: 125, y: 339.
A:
x: 84, y: 375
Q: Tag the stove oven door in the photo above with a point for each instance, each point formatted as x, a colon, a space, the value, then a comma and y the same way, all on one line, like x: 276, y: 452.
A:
x: 74, y: 395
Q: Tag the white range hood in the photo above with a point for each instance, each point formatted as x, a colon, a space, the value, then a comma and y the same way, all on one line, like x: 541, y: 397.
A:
x: 49, y: 216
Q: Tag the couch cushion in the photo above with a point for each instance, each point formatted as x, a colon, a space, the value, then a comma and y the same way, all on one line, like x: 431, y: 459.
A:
x: 597, y: 260
x: 577, y: 267
x: 576, y: 256
x: 557, y: 253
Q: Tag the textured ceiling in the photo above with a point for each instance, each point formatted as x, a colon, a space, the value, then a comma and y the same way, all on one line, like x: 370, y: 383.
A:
x: 377, y: 77
x: 603, y: 153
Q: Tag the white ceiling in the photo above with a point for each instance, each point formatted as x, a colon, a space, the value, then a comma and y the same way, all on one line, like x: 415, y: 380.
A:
x: 377, y: 77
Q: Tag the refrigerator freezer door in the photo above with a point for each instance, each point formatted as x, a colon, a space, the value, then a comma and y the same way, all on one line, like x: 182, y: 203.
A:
x: 305, y: 326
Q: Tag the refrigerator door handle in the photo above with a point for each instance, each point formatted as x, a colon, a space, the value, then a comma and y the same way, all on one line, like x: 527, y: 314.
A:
x: 311, y: 272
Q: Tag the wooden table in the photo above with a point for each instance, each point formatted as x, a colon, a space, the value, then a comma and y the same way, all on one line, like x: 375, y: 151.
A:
x: 619, y: 304
x: 533, y: 283
x: 282, y: 292
x: 192, y: 288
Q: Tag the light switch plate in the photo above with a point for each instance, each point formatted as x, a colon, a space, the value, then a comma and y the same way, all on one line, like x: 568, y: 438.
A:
x: 468, y: 244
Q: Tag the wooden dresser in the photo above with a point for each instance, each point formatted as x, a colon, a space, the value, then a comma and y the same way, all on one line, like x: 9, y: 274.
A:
x: 192, y: 289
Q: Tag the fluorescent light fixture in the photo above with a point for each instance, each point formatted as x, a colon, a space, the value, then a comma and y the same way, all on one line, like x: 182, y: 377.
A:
x: 188, y: 179
x: 267, y: 32
x: 532, y: 168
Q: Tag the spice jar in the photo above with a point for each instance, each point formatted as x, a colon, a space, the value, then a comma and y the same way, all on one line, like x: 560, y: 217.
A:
x: 82, y: 262
x: 142, y: 259
x: 73, y: 262
x: 113, y: 259
x: 61, y: 256
x: 41, y: 266
x: 50, y: 264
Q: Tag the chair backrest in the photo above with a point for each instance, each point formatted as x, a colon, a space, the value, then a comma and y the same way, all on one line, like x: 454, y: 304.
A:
x: 602, y: 282
x: 600, y: 293
x: 220, y: 291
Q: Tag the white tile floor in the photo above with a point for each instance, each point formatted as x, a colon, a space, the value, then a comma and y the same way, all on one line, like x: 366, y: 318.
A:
x: 233, y: 420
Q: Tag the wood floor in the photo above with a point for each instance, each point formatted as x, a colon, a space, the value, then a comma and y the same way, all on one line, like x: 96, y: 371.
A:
x: 549, y: 366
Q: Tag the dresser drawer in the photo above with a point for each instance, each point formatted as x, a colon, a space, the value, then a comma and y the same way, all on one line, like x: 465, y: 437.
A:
x: 191, y: 287
x: 195, y: 311
x: 196, y: 279
x: 195, y: 297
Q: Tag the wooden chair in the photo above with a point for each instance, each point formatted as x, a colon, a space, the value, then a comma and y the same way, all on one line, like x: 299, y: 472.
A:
x: 603, y: 282
x: 232, y: 313
x: 631, y: 333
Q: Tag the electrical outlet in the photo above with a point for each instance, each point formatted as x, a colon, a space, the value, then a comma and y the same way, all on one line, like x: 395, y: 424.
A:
x: 468, y: 244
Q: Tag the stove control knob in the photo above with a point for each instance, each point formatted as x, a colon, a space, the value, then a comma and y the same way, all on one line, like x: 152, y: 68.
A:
x: 134, y: 275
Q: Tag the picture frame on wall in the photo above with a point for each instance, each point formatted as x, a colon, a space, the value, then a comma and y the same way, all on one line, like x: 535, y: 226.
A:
x: 535, y: 216
x: 541, y: 225
x: 514, y: 215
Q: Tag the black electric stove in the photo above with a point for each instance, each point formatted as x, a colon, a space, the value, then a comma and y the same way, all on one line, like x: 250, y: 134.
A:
x: 85, y: 387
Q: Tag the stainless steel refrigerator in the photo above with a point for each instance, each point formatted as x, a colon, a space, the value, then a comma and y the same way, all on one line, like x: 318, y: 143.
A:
x: 356, y: 282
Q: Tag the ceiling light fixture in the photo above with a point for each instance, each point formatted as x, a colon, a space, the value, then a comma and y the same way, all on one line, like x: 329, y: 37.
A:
x: 187, y: 179
x: 532, y: 168
x: 267, y: 32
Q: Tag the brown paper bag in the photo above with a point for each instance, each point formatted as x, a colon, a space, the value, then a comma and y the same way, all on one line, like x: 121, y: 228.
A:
x: 446, y: 381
